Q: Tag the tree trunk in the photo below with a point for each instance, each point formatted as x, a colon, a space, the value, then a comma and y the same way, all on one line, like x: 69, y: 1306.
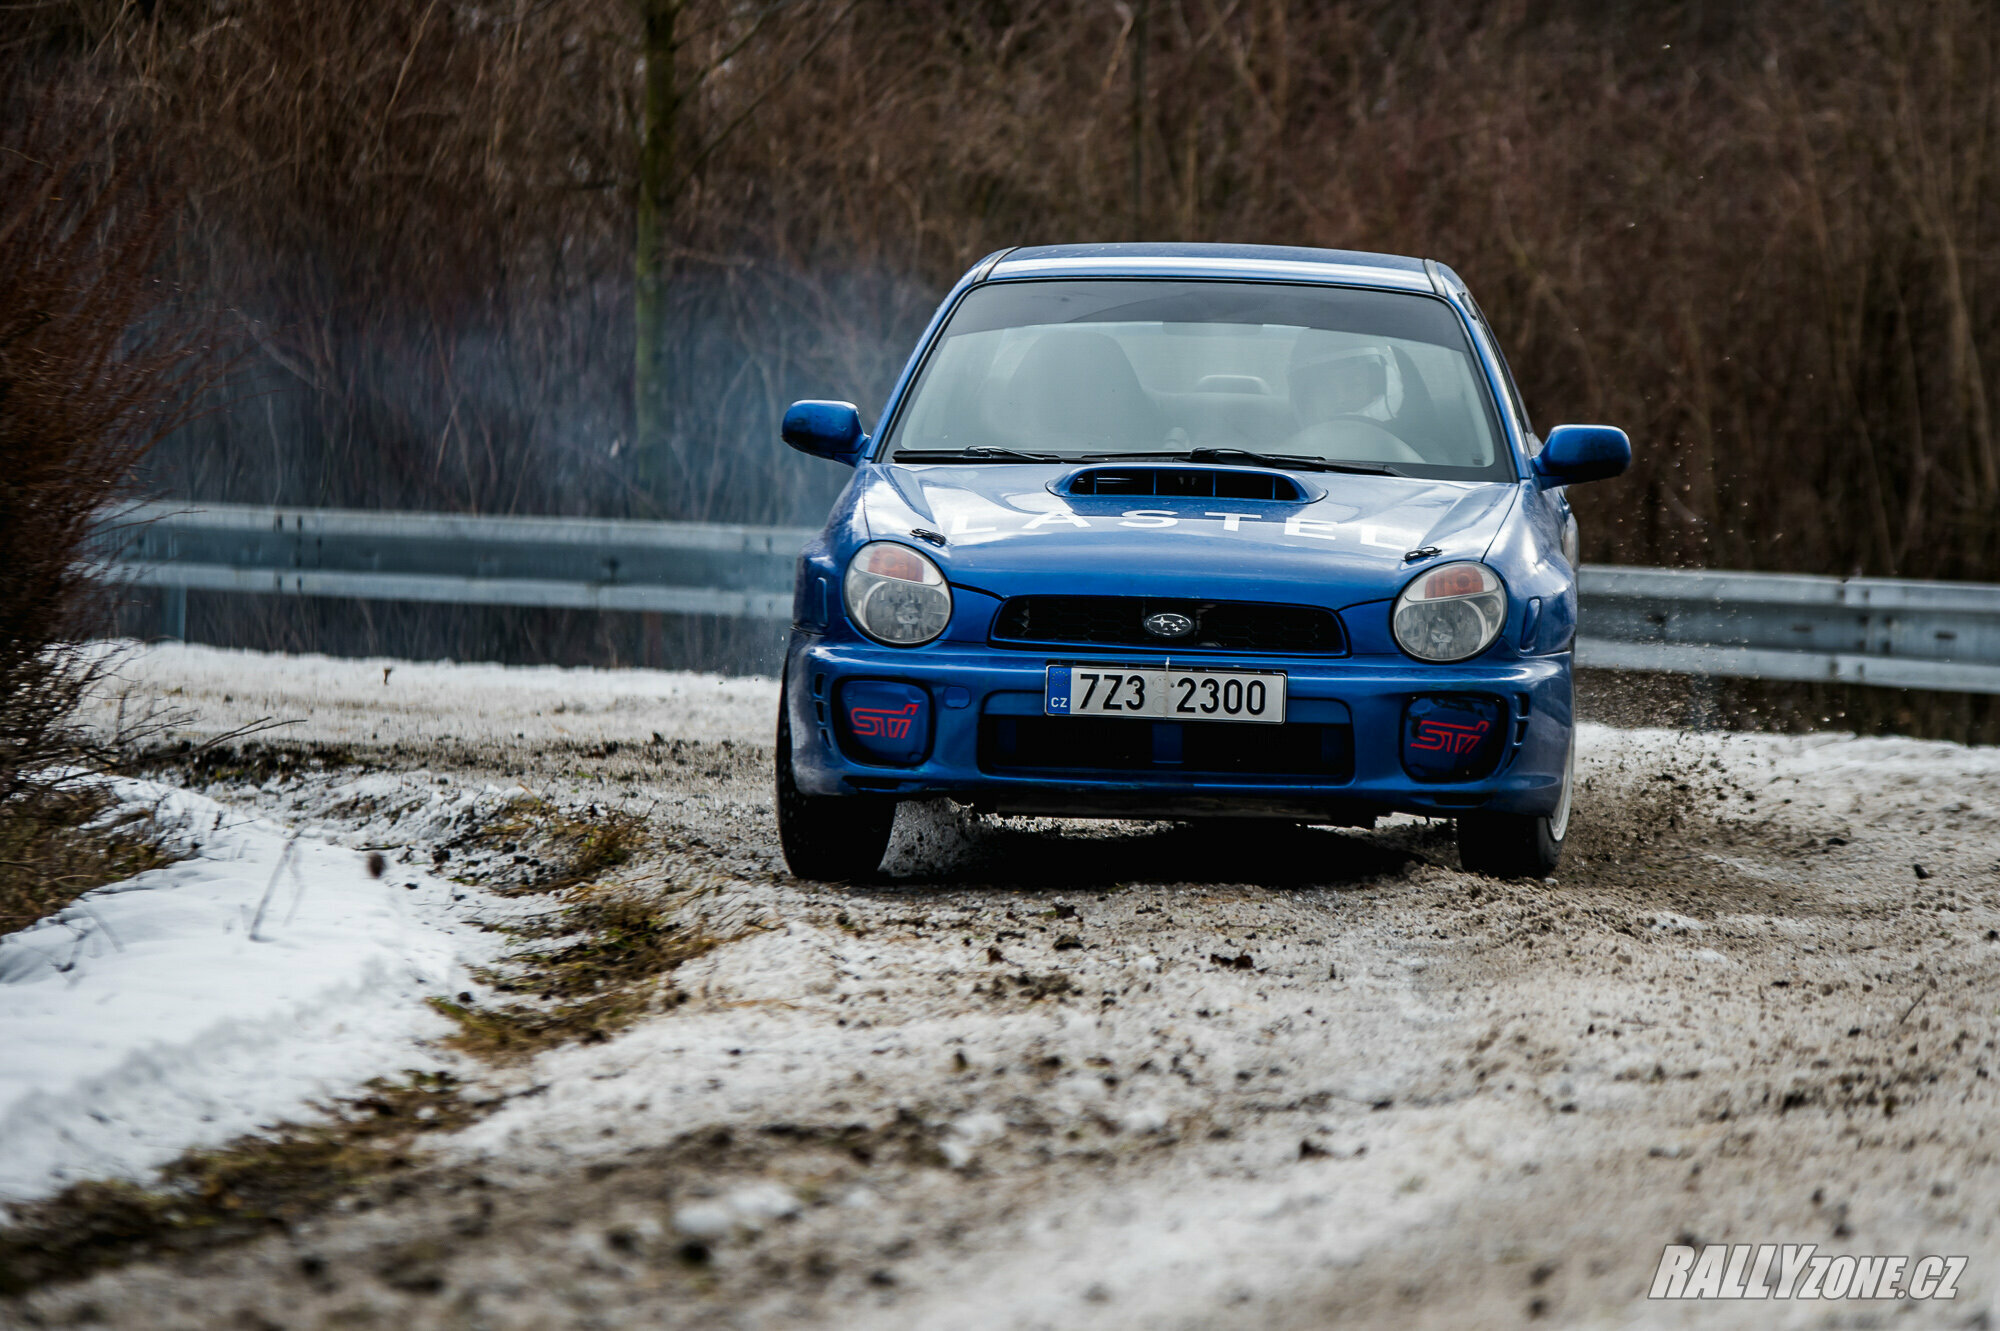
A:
x: 1139, y: 42
x: 658, y: 164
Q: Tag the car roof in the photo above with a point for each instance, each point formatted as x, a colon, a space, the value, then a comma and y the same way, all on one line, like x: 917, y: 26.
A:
x: 1178, y: 259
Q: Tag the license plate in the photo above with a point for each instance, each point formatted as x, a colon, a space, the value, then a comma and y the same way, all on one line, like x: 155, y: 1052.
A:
x: 1165, y: 695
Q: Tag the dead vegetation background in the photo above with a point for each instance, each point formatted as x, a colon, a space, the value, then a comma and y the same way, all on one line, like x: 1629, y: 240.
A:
x: 1761, y: 236
x: 93, y: 368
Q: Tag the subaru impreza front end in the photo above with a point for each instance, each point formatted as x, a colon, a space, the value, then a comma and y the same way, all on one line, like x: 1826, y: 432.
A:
x: 1183, y: 532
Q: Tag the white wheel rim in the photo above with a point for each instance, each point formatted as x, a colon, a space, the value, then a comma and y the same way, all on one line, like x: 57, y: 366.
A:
x: 1559, y: 820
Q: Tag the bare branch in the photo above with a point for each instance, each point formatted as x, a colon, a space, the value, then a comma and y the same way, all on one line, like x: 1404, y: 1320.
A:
x: 703, y: 153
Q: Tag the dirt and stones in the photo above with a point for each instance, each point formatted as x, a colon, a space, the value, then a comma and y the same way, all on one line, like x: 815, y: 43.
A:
x: 1026, y: 1080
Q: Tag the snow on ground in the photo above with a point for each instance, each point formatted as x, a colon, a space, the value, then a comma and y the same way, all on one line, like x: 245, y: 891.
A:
x: 148, y: 1017
x: 380, y: 701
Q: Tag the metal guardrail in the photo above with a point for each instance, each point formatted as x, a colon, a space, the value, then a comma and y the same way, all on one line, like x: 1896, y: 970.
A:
x: 1881, y: 631
x: 691, y: 568
x: 1921, y: 635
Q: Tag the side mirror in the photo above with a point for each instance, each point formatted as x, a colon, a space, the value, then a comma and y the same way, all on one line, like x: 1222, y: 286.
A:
x: 1578, y: 453
x: 825, y: 430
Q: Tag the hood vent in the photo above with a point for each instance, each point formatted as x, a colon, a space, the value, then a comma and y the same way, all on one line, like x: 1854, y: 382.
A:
x: 1184, y: 482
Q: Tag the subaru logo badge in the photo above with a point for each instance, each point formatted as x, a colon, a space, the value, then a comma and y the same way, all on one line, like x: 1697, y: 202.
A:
x: 1169, y: 625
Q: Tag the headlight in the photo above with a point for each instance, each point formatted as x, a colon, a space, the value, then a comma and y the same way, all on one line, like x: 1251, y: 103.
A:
x: 896, y: 595
x: 1450, y: 613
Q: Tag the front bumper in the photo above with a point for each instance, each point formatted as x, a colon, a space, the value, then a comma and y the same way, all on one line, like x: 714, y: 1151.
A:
x: 971, y: 684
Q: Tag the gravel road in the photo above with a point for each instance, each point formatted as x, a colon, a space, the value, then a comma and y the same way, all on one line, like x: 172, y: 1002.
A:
x: 1070, y: 1074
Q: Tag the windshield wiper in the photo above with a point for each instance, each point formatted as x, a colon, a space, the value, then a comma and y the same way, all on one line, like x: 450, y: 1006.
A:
x: 1296, y: 461
x: 977, y: 453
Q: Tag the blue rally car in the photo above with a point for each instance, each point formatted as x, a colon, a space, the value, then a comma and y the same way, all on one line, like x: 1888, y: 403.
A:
x: 1186, y: 531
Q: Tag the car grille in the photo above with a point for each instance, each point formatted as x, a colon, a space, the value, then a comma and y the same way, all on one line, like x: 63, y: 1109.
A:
x: 1119, y: 621
x: 1168, y: 751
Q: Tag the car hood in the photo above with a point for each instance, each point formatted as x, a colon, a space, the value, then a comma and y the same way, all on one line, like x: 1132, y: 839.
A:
x: 1008, y: 531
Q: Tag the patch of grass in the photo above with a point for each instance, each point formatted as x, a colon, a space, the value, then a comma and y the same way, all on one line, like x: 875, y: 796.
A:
x: 209, y: 1199
x: 55, y: 845
x: 618, y: 936
x: 608, y: 951
x: 518, y: 1031
x: 573, y: 848
x: 594, y: 966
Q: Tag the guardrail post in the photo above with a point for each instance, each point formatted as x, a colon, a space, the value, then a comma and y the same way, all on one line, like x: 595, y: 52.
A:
x: 174, y: 613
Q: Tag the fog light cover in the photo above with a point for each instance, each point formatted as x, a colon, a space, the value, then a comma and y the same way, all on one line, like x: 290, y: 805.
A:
x: 1453, y: 738
x: 880, y: 722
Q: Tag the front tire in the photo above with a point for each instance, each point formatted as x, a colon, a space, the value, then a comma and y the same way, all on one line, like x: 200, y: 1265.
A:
x: 1518, y: 845
x: 834, y: 838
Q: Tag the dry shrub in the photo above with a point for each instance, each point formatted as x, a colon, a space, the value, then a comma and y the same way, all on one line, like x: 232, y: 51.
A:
x: 86, y: 384
x: 56, y: 844
x: 91, y: 373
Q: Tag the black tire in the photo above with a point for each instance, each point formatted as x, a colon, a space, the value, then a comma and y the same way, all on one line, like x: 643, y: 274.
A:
x: 1518, y: 845
x: 834, y: 838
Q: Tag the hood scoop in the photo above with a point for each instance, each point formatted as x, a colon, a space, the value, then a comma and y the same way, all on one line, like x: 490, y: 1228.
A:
x: 1183, y: 482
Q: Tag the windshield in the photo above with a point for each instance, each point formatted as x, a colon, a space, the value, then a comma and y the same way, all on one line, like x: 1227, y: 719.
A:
x: 1240, y: 372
